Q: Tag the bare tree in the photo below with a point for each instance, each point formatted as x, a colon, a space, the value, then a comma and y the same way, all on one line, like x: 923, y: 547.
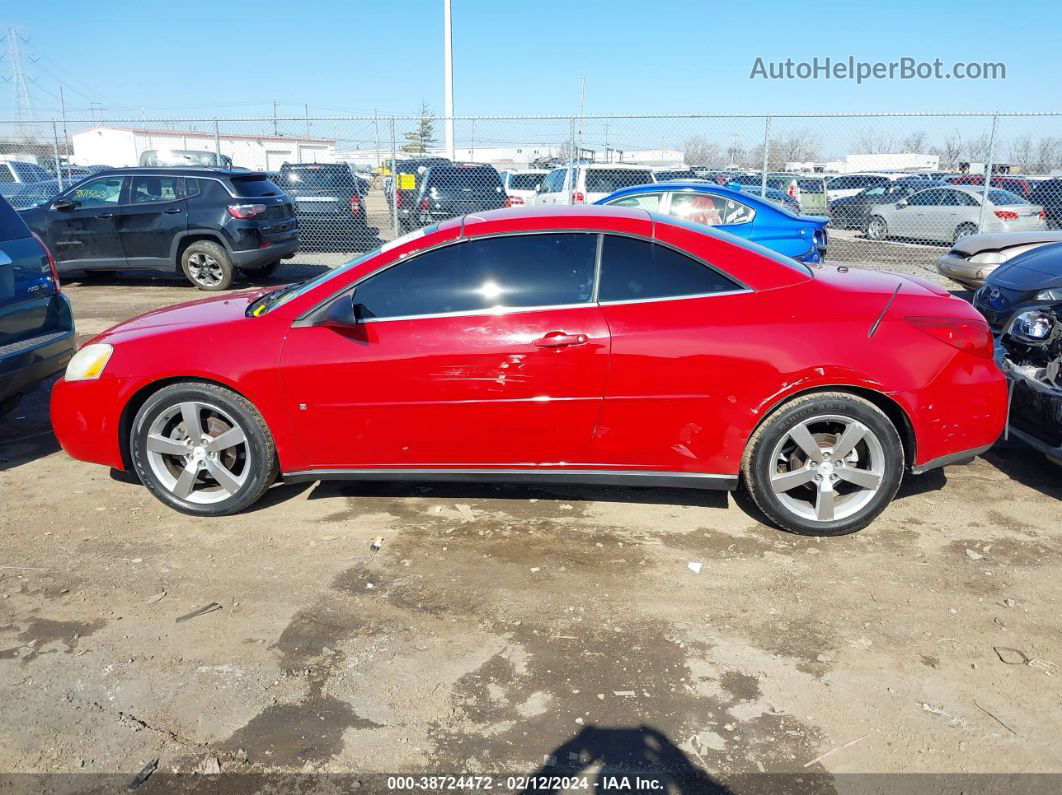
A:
x: 1048, y: 154
x: 698, y: 150
x: 795, y: 146
x: 914, y: 142
x: 978, y: 149
x: 1022, y: 153
x: 949, y: 151
x: 871, y: 142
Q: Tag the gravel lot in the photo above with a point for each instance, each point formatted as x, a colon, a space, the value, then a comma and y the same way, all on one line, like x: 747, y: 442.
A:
x: 506, y: 630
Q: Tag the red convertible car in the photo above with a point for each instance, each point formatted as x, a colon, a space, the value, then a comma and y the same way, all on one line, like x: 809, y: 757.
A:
x: 549, y: 345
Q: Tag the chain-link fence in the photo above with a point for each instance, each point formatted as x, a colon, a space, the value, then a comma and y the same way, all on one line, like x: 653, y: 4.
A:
x: 898, y: 189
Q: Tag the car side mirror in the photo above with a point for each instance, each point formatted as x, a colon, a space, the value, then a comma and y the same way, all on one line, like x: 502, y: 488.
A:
x: 64, y: 204
x: 538, y: 187
x: 341, y: 312
x: 901, y: 204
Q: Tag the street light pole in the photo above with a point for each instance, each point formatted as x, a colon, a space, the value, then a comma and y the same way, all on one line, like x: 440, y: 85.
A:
x: 448, y: 79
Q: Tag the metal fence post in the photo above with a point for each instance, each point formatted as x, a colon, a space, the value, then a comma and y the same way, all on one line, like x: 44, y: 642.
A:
x: 472, y: 145
x: 394, y: 180
x: 571, y: 163
x: 58, y: 165
x: 766, y: 154
x: 217, y: 143
x: 988, y: 174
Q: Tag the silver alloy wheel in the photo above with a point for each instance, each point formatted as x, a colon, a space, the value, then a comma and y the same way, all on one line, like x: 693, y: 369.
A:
x: 198, y: 452
x: 205, y: 270
x: 964, y: 231
x: 876, y: 229
x: 827, y: 468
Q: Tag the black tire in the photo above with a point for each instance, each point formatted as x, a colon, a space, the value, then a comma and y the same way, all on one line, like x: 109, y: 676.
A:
x: 259, y: 271
x: 963, y: 230
x: 877, y: 229
x: 769, y: 455
x: 207, y: 265
x: 251, y: 461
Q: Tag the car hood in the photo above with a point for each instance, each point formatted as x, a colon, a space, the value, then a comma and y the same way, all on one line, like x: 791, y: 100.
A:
x: 205, y: 312
x: 1039, y: 269
x: 975, y: 244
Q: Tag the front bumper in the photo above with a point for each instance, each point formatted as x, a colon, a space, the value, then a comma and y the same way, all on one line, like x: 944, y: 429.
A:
x: 1035, y: 412
x: 85, y: 421
x: 963, y: 271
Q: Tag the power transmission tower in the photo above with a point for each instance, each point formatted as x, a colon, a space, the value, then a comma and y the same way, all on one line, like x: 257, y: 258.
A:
x: 24, y: 115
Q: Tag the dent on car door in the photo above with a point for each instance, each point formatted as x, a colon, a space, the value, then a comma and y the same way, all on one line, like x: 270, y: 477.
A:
x: 482, y: 353
x: 85, y: 230
x: 682, y: 356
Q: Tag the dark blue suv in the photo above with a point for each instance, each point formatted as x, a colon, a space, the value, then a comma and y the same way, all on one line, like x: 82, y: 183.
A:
x: 36, y: 324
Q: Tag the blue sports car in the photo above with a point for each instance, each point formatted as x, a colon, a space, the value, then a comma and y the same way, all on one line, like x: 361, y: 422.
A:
x: 802, y: 237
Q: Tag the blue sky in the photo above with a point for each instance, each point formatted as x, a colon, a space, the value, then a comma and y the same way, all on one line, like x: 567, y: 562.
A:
x: 357, y: 56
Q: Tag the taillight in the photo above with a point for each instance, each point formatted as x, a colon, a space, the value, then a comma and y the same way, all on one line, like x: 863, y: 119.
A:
x: 968, y: 335
x: 1043, y: 214
x: 424, y: 205
x: 355, y: 204
x: 578, y: 197
x: 1006, y: 215
x: 51, y: 261
x: 398, y: 198
x: 244, y: 211
x: 512, y: 201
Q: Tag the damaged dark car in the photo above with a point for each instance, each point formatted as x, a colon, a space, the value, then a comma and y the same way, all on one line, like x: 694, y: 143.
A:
x: 1027, y: 291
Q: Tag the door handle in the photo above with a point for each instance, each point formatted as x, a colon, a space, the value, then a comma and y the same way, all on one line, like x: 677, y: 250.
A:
x: 105, y: 215
x: 558, y: 339
x: 172, y: 210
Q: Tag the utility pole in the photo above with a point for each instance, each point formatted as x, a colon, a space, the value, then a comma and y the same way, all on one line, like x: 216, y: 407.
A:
x: 23, y: 101
x: 62, y: 114
x: 448, y: 79
x: 306, y: 111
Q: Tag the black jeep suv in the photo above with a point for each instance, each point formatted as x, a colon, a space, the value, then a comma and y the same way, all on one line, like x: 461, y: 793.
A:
x: 207, y: 222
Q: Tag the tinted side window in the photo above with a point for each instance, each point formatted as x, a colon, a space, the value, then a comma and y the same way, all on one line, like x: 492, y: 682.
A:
x: 925, y: 198
x: 156, y: 189
x: 554, y: 181
x: 102, y: 192
x: 256, y: 186
x: 517, y: 271
x: 637, y: 269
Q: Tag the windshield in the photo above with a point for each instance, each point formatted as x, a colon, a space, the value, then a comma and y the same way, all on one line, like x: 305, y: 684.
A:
x: 272, y: 300
x: 316, y: 177
x: 524, y: 181
x: 612, y: 180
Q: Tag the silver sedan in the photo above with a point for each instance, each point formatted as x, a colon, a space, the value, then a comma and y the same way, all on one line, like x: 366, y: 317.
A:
x: 973, y: 258
x: 950, y: 214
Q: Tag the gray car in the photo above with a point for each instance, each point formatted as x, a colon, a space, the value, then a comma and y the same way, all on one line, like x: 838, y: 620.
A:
x: 952, y: 213
x: 973, y: 258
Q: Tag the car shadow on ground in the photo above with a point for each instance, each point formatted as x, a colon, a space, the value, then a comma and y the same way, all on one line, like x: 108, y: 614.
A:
x: 605, y: 755
x: 511, y: 491
x: 26, y: 432
x: 1027, y: 466
x: 287, y: 272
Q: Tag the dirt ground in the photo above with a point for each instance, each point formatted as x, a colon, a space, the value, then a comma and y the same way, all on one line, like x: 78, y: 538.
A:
x: 507, y: 630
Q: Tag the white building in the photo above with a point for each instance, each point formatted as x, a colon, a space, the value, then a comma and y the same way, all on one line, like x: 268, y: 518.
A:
x: 859, y: 163
x: 122, y: 146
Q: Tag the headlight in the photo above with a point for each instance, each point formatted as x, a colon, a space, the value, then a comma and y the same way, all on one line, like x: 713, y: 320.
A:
x: 88, y: 363
x: 1054, y: 294
x: 988, y: 258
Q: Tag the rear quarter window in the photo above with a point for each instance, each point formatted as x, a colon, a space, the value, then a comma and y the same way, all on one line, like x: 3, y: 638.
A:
x: 256, y: 186
x: 12, y: 226
x: 610, y: 181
